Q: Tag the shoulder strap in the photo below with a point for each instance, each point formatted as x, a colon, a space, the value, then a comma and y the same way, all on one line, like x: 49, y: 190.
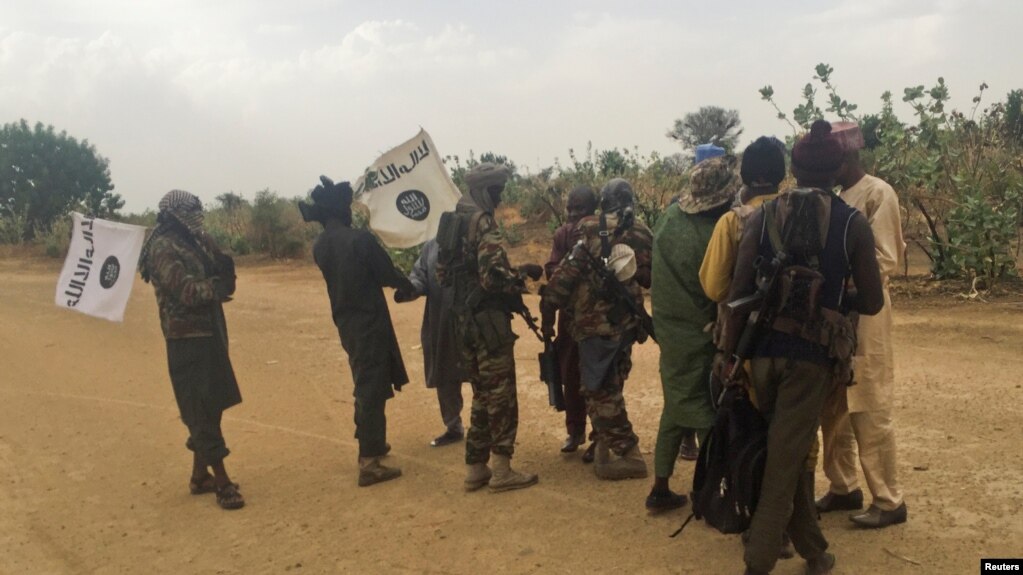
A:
x: 605, y: 243
x: 474, y: 224
x: 771, y: 224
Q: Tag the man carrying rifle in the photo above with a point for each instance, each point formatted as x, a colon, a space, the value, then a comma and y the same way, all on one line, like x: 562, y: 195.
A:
x: 600, y: 284
x: 681, y: 315
x: 487, y: 289
x: 582, y: 202
x: 797, y: 254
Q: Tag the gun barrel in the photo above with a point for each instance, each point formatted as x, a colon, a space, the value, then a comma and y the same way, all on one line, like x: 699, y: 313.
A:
x: 746, y: 304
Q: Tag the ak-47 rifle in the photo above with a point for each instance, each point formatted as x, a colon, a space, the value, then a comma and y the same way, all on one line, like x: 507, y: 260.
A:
x: 757, y: 307
x: 618, y: 290
x: 549, y: 372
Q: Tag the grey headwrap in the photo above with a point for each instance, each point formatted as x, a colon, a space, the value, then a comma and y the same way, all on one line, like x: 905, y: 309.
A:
x: 482, y: 177
x: 616, y: 195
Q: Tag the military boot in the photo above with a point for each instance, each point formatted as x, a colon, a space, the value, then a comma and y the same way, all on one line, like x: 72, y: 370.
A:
x: 477, y: 477
x: 370, y: 471
x: 629, y: 465
x: 506, y: 479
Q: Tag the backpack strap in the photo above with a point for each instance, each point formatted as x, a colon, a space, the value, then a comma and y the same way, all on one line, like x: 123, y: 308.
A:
x: 605, y: 243
x: 771, y: 225
x: 474, y: 225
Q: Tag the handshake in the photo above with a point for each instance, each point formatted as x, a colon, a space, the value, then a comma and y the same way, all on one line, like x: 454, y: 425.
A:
x: 406, y: 292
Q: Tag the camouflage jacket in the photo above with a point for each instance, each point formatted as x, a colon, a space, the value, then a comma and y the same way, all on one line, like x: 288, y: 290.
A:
x: 488, y: 266
x: 184, y: 288
x: 577, y: 288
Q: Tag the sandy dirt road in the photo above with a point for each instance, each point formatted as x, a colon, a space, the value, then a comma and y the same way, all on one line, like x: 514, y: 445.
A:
x: 93, y: 471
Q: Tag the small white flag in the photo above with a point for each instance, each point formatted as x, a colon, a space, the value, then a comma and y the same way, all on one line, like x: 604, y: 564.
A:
x: 99, y: 270
x: 406, y: 191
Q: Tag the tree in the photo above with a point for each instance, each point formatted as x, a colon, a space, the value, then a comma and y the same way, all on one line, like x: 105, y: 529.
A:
x: 1014, y: 117
x: 458, y: 171
x: 44, y: 175
x: 708, y: 125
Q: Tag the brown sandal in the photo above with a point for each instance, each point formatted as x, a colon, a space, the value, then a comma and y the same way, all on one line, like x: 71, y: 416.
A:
x: 228, y: 497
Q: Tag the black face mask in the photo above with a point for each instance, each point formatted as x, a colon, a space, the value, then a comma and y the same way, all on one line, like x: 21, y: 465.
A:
x: 312, y: 212
x: 495, y: 194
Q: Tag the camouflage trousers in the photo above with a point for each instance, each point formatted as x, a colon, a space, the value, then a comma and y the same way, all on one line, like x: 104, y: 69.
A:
x: 606, y: 406
x: 494, y: 416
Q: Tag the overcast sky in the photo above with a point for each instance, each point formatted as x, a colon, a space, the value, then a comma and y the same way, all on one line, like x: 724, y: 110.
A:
x: 217, y: 96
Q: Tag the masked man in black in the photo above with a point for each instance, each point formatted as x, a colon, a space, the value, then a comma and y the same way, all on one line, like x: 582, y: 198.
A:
x: 356, y: 268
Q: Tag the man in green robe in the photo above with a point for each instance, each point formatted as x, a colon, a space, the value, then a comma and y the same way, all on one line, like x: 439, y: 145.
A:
x: 682, y: 314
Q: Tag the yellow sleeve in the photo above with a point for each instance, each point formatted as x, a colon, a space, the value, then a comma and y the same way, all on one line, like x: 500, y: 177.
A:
x: 719, y: 260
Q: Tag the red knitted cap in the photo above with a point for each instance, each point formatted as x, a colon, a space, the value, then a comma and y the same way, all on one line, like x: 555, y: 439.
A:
x: 818, y: 153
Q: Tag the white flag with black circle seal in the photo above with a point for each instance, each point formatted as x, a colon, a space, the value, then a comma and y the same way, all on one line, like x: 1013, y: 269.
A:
x: 406, y: 191
x: 99, y: 271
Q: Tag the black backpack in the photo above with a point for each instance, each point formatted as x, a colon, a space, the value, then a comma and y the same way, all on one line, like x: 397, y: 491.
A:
x: 730, y: 470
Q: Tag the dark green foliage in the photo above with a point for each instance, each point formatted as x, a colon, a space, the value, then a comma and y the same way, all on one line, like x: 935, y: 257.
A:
x: 708, y: 125
x: 44, y: 175
x: 1014, y: 117
x: 959, y: 177
x: 277, y: 227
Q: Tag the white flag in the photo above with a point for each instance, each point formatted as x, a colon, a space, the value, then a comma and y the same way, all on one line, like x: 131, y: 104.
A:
x: 100, y: 267
x: 406, y: 191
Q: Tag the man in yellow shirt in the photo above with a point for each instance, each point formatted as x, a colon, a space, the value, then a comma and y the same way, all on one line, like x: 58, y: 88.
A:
x: 763, y: 168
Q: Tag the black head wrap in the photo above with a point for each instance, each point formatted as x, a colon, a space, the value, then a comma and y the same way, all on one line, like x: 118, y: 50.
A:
x: 329, y: 200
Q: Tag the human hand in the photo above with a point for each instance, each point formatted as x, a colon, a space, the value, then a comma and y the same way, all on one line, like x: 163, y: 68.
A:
x: 226, y: 272
x: 533, y: 271
x: 402, y: 296
x: 222, y: 290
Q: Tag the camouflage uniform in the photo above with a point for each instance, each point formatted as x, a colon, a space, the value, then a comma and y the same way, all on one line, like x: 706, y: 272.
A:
x: 484, y: 328
x: 189, y: 292
x: 577, y: 288
x: 185, y: 293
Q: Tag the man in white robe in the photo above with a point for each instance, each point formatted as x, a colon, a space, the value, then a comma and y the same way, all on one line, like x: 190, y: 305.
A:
x: 860, y: 416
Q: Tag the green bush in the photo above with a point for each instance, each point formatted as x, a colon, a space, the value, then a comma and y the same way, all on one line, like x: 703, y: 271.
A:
x: 960, y: 176
x: 277, y: 228
x: 57, y: 239
x: 13, y: 223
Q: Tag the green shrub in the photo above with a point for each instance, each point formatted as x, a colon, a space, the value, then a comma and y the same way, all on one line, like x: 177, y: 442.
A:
x: 277, y: 228
x: 960, y: 176
x: 57, y: 239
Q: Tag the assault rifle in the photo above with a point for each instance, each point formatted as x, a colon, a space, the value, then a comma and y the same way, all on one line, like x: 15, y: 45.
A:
x: 758, y: 307
x: 549, y: 372
x: 618, y: 290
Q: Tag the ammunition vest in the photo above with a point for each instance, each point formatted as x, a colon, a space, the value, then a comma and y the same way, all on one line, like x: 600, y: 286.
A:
x: 810, y: 323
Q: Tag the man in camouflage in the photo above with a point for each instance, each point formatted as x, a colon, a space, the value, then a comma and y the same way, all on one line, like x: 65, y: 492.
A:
x: 582, y: 202
x: 603, y: 324
x: 473, y: 262
x: 192, y: 279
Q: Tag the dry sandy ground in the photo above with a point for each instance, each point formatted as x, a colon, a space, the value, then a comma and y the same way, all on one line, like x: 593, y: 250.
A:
x: 93, y: 469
